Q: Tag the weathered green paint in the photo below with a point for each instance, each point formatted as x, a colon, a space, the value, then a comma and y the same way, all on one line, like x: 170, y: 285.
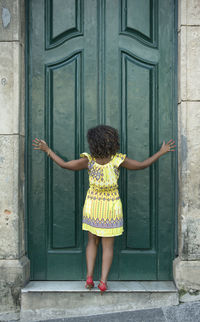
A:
x: 92, y: 62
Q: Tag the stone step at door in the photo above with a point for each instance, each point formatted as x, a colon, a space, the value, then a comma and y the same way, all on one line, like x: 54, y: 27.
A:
x: 56, y: 299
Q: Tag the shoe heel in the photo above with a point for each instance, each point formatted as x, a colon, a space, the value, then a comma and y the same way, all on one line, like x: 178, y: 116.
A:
x: 103, y: 287
x: 89, y: 283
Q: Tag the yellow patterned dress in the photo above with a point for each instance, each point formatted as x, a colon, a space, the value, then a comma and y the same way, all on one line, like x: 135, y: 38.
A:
x: 102, y: 211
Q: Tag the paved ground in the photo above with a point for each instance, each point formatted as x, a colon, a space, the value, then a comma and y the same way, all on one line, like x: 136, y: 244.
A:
x: 186, y: 312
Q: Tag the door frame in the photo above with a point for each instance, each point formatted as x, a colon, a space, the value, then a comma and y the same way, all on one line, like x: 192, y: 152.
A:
x: 28, y: 139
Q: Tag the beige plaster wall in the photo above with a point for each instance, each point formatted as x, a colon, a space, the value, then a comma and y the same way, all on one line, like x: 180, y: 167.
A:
x: 14, y: 266
x: 187, y: 266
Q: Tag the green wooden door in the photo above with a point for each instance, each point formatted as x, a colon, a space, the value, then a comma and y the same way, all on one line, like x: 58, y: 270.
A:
x: 92, y: 62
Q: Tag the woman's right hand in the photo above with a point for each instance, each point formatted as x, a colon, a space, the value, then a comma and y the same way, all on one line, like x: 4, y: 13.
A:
x: 40, y: 145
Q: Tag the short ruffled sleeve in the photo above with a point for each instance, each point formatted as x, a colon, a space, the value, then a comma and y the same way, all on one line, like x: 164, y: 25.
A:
x: 90, y: 160
x: 85, y: 154
x: 118, y: 159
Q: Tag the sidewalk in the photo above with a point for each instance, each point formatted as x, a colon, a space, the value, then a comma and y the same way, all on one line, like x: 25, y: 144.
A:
x: 186, y: 312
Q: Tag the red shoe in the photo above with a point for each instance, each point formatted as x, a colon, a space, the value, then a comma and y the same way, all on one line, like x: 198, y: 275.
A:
x: 89, y: 283
x: 102, y: 286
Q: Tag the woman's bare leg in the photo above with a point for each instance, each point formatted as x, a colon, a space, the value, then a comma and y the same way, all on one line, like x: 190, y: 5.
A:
x: 91, y: 252
x: 107, y: 257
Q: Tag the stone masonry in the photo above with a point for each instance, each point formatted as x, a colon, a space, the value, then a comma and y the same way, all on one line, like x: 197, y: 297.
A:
x: 187, y: 265
x: 14, y: 265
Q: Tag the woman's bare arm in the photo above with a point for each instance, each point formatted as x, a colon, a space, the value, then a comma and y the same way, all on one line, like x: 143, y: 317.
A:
x: 137, y: 165
x: 74, y: 165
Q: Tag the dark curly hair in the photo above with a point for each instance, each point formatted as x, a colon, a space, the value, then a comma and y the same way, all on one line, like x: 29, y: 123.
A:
x: 103, y: 141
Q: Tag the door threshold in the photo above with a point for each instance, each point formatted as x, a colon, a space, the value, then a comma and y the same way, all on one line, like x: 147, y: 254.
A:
x: 113, y: 286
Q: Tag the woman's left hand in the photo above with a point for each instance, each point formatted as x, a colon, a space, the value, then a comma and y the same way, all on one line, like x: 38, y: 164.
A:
x: 167, y: 147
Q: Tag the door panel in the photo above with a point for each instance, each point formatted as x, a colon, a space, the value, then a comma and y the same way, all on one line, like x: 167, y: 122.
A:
x: 100, y: 62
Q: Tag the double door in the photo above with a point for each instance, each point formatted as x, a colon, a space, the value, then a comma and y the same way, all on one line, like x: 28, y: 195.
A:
x: 100, y: 62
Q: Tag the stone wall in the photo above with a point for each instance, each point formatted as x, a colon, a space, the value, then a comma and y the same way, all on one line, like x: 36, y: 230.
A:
x: 14, y: 266
x: 187, y: 265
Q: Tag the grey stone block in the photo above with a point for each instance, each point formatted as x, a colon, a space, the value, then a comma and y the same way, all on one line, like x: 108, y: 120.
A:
x: 10, y: 88
x: 12, y: 199
x: 186, y: 274
x: 14, y: 274
x: 10, y: 20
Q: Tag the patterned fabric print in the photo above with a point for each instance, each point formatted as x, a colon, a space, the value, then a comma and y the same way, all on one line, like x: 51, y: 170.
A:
x: 102, y: 212
x: 96, y: 173
x: 103, y: 223
x: 95, y: 194
x: 116, y: 170
x: 105, y: 215
x: 103, y: 232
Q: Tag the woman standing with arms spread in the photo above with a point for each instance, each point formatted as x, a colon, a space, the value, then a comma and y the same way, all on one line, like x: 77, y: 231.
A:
x: 102, y: 212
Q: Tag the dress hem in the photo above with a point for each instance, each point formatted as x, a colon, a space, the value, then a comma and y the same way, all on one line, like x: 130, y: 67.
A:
x: 111, y: 232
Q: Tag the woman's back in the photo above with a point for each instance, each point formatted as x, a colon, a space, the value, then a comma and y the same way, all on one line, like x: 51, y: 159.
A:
x: 104, y: 176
